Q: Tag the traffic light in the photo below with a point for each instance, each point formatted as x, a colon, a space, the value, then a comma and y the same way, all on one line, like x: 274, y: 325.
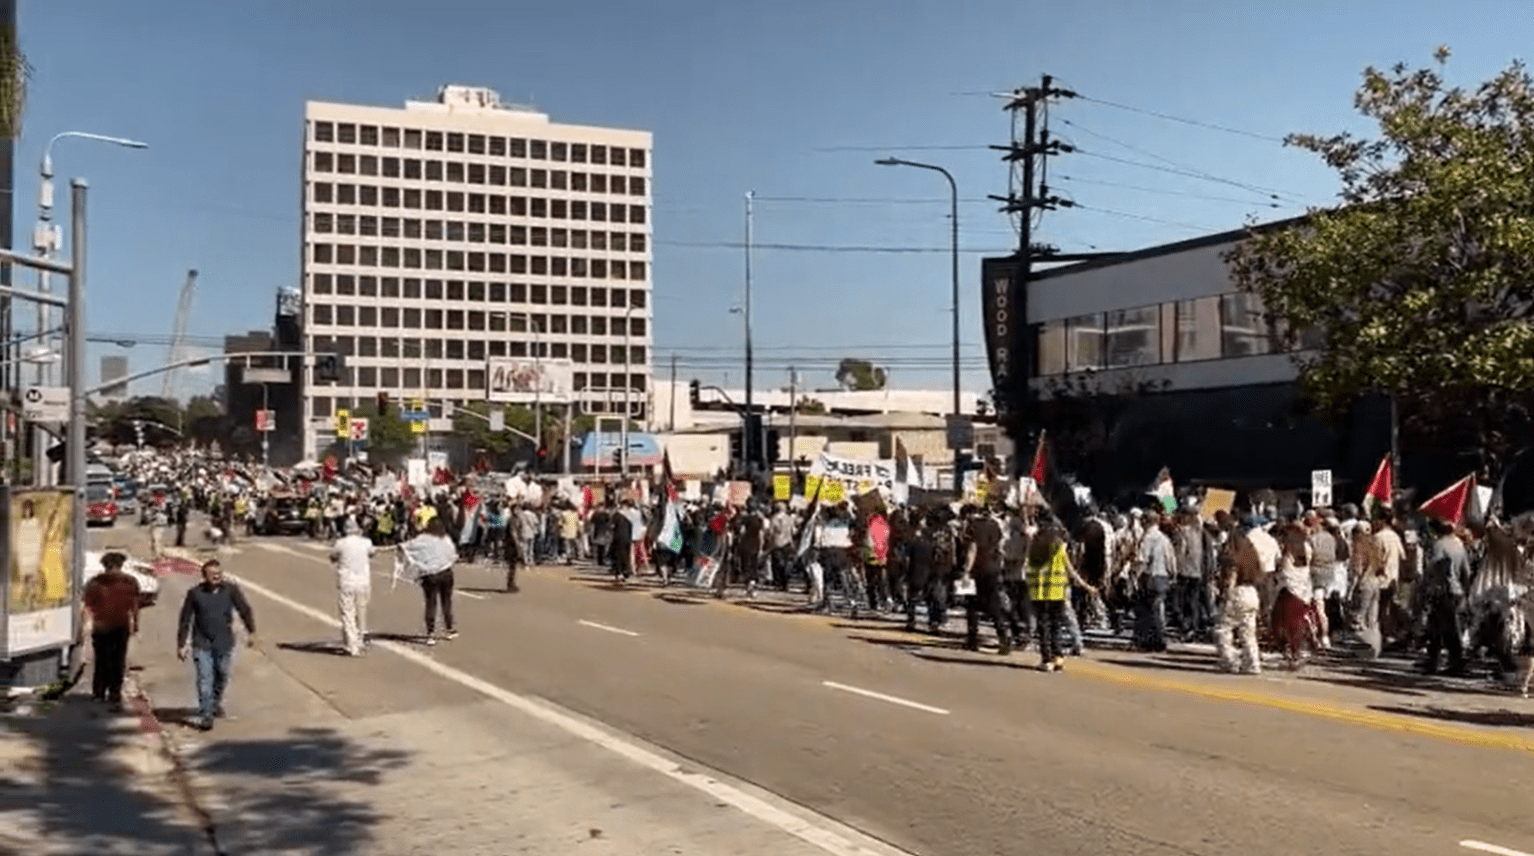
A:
x: 737, y: 447
x: 772, y: 446
x: 617, y: 459
x: 695, y: 393
x: 383, y: 404
x: 329, y: 367
x: 543, y: 457
x: 753, y: 440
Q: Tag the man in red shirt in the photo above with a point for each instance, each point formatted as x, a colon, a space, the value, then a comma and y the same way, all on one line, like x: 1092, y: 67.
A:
x: 111, y: 618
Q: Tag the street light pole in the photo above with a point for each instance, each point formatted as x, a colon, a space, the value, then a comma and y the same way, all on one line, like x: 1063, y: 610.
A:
x: 749, y: 440
x: 953, y: 188
x: 45, y: 241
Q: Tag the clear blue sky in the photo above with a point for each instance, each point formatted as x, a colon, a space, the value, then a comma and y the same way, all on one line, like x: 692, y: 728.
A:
x: 791, y: 99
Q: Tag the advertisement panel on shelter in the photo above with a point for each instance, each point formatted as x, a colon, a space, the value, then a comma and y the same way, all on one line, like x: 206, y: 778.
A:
x: 523, y: 380
x: 39, y: 531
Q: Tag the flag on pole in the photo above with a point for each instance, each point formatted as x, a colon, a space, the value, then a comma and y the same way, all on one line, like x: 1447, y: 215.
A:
x: 1378, y: 497
x: 902, y: 462
x: 807, y: 534
x: 671, y: 495
x: 1450, y: 504
x: 1040, y: 463
x: 1163, y: 490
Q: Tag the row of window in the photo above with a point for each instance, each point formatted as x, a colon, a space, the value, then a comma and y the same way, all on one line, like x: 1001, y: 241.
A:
x: 474, y: 350
x: 325, y: 193
x: 403, y: 385
x: 327, y: 223
x: 410, y: 288
x: 1218, y: 327
x: 495, y: 204
x: 412, y: 258
x: 411, y: 318
x: 493, y: 145
x: 457, y: 172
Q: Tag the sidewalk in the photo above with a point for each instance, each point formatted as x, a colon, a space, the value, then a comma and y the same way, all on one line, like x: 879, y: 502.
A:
x: 330, y: 755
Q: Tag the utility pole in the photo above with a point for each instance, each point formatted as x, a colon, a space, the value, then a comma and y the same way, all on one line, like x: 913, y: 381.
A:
x: 748, y: 437
x: 1028, y: 155
x: 793, y: 418
x: 673, y: 394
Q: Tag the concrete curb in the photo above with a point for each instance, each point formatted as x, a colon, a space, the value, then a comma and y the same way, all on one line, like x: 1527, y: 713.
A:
x: 163, y: 745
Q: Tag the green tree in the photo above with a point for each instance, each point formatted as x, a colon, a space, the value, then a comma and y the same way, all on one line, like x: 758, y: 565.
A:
x: 390, y: 439
x: 1421, y: 284
x: 860, y: 375
x: 15, y: 72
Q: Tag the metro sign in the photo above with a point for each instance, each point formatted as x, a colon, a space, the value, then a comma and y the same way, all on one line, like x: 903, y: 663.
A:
x: 359, y: 432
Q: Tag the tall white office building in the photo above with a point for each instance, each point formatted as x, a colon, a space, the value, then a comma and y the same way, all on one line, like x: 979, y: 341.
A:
x: 445, y: 234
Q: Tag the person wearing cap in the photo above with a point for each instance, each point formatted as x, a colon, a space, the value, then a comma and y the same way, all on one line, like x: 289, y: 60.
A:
x: 352, y: 556
x: 110, y: 619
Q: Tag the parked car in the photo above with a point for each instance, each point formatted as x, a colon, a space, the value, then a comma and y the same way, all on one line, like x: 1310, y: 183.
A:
x: 127, y: 497
x: 100, y: 504
x: 148, y: 582
x: 284, y: 516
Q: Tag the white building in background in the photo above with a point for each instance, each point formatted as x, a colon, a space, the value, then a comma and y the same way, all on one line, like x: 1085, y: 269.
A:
x: 448, y: 233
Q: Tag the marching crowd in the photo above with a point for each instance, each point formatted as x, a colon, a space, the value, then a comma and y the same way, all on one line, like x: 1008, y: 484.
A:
x: 1299, y: 585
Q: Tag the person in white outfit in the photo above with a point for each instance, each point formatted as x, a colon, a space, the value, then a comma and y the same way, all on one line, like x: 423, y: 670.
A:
x: 352, y: 557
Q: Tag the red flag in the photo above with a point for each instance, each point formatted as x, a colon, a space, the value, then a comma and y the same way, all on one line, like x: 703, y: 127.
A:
x: 1449, y: 505
x: 1040, y: 463
x: 1382, y: 489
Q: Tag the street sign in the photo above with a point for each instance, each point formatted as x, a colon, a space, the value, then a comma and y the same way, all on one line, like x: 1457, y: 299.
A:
x: 343, y: 424
x: 359, y: 430
x: 266, y: 420
x: 1321, y: 489
x: 45, y: 404
x: 497, y: 419
x: 418, y: 426
x: 961, y: 433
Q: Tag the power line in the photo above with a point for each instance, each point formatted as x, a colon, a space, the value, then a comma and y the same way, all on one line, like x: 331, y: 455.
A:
x: 1146, y: 219
x: 1190, y: 171
x: 899, y: 148
x: 819, y: 248
x: 864, y: 200
x: 1169, y: 192
x: 1183, y: 120
x: 1266, y: 191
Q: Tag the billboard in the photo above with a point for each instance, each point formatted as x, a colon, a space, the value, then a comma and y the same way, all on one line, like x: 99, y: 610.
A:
x: 598, y: 449
x: 523, y: 380
x: 39, y: 583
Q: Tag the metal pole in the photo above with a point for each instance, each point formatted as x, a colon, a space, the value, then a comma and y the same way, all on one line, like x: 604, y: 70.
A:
x: 748, y: 447
x: 953, y: 186
x: 793, y: 417
x: 537, y: 387
x: 266, y: 433
x: 569, y: 412
x: 75, y: 445
x: 628, y: 407
x: 672, y: 420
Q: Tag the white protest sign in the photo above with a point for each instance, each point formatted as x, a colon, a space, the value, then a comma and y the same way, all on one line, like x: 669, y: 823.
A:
x: 1320, y: 488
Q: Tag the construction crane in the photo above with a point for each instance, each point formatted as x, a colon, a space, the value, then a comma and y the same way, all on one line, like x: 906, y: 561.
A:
x: 178, y: 346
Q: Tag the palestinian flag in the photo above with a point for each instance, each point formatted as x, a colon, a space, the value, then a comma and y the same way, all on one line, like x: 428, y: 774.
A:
x: 1040, y: 467
x: 1450, y: 504
x: 1163, y: 490
x: 1378, y: 497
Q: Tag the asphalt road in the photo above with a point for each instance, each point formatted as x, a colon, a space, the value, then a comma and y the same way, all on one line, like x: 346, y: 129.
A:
x: 938, y: 751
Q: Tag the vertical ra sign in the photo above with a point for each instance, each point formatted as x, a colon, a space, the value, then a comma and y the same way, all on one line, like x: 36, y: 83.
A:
x: 1000, y: 332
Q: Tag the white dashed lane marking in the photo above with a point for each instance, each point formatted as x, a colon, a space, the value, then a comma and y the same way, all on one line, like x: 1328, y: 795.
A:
x: 915, y: 705
x: 608, y: 628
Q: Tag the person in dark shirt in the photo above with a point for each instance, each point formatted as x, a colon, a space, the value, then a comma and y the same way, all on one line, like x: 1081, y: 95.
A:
x: 111, y: 618
x: 206, y: 632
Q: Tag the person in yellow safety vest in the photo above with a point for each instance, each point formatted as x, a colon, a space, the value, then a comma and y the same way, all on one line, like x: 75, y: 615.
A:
x: 425, y: 513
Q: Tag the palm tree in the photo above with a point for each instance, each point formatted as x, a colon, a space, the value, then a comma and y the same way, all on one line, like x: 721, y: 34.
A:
x: 15, y: 71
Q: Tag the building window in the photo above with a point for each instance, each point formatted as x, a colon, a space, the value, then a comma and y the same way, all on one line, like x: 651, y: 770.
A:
x: 321, y: 283
x: 322, y: 191
x: 390, y: 138
x: 476, y: 144
x: 1133, y: 337
x: 454, y: 172
x: 367, y: 135
x: 636, y: 158
x: 518, y: 147
x: 322, y: 314
x: 540, y: 150
x: 434, y: 141
x: 346, y: 133
x: 599, y: 155
x: 1084, y: 343
x: 1050, y: 359
x: 1244, y: 332
x: 455, y: 142
x: 324, y: 132
x: 1198, y: 330
x: 497, y: 147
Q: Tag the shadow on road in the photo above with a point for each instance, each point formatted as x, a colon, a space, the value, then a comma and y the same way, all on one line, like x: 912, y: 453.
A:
x: 1495, y: 718
x: 298, y: 793
x: 334, y: 649
x: 481, y: 590
x: 680, y: 599
x: 1161, y: 664
x: 63, y: 778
